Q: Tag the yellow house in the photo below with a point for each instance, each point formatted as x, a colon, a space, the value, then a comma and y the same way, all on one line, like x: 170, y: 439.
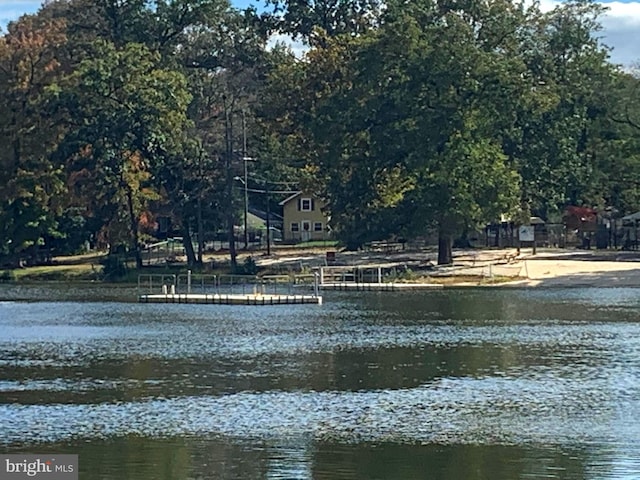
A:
x: 304, y: 218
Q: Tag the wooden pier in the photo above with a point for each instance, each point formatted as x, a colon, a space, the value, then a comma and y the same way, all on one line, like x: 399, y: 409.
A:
x: 226, y: 289
x: 231, y: 299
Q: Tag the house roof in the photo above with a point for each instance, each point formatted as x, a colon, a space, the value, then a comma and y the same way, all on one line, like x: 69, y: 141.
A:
x: 632, y: 217
x: 262, y: 215
x: 288, y: 199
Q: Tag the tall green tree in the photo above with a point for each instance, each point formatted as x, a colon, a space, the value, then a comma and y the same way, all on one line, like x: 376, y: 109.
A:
x: 128, y: 115
x: 449, y: 115
x: 301, y: 18
x: 406, y: 125
x: 224, y: 63
x: 32, y: 186
x: 569, y: 78
x: 617, y: 147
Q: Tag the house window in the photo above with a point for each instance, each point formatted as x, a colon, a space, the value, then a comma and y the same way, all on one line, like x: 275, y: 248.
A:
x: 306, y: 204
x: 295, y: 227
x: 306, y: 225
x: 317, y: 226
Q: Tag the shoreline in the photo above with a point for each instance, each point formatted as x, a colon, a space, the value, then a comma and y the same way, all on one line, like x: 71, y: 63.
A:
x: 550, y: 268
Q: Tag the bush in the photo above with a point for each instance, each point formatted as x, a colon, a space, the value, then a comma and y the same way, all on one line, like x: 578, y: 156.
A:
x: 114, y: 267
x: 248, y: 267
x: 7, y: 276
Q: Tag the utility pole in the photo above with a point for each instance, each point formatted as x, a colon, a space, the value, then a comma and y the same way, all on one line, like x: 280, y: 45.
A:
x: 268, y: 221
x: 200, y: 222
x: 246, y: 195
x: 228, y: 133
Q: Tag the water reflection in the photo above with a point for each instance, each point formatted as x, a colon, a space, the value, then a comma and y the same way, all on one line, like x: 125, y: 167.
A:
x: 447, y: 384
x: 290, y: 458
x: 131, y: 458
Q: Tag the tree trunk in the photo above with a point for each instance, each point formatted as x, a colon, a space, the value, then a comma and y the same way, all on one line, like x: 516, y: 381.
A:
x: 200, y: 233
x: 199, y: 205
x: 445, y: 255
x: 133, y: 225
x: 232, y: 241
x: 188, y: 245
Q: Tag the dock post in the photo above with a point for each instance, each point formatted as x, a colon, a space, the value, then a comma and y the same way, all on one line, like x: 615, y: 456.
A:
x: 188, y: 281
x: 315, y: 282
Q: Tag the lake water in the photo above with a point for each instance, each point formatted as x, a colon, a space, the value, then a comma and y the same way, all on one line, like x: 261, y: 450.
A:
x: 453, y: 384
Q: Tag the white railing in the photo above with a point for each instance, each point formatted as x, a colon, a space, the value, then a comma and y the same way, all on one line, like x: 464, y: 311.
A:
x: 195, y: 283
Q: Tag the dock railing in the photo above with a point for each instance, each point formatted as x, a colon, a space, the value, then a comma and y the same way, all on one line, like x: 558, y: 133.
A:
x: 156, y: 283
x: 208, y: 284
x: 197, y: 283
x: 357, y: 274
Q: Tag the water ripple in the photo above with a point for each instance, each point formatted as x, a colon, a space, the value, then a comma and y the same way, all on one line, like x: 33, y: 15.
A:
x: 456, y: 410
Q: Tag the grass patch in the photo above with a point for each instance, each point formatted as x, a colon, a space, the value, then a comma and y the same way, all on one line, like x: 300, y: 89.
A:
x: 86, y: 258
x: 502, y: 279
x: 313, y: 244
x: 76, y: 272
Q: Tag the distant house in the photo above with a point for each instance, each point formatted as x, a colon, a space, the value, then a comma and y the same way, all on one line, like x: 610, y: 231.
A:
x: 304, y: 218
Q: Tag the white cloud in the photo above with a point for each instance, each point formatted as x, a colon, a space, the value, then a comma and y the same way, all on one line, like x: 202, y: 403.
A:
x: 621, y: 30
x: 623, y: 14
x: 548, y: 5
x: 297, y: 47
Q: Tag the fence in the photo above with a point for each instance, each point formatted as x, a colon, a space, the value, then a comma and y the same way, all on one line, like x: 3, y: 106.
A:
x: 361, y: 274
x: 168, y: 251
x: 384, y: 274
x: 490, y: 270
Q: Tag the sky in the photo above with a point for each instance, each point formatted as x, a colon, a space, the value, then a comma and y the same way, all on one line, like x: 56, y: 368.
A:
x: 621, y: 24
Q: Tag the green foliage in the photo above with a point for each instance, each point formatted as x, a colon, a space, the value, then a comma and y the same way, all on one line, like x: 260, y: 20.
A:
x: 304, y: 17
x: 449, y: 116
x: 405, y: 117
x: 32, y: 184
x: 7, y: 276
x: 134, y: 115
x: 248, y: 267
x: 114, y: 267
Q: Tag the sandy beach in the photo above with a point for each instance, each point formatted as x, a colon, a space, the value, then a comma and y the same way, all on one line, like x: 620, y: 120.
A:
x: 580, y: 269
x: 547, y: 268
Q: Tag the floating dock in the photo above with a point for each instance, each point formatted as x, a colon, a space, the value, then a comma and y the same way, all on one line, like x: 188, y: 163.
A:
x: 231, y: 299
x: 224, y: 290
